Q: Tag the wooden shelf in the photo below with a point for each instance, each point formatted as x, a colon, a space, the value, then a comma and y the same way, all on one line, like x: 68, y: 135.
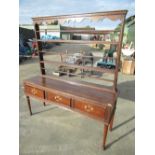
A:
x: 63, y: 54
x: 80, y: 31
x: 97, y: 69
x: 78, y: 41
x: 106, y: 14
x: 83, y: 75
x: 82, y: 83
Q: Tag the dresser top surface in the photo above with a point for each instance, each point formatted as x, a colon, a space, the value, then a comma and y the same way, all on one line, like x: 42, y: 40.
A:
x: 79, y: 89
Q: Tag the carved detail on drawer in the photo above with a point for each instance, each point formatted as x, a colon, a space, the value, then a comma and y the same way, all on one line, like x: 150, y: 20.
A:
x: 57, y: 98
x: 88, y: 108
x: 34, y: 91
x: 91, y: 109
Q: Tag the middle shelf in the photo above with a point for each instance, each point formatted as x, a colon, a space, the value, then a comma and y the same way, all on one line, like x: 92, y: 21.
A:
x: 78, y: 41
x: 89, y: 68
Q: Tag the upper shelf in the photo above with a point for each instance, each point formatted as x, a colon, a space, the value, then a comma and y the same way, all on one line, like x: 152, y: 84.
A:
x: 113, y: 15
x: 80, y: 31
x: 79, y: 41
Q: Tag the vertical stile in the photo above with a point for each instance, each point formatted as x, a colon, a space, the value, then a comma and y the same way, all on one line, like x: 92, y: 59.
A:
x: 119, y: 47
x: 39, y: 47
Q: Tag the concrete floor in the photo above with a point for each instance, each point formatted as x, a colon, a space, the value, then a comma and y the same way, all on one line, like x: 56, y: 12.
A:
x: 56, y: 131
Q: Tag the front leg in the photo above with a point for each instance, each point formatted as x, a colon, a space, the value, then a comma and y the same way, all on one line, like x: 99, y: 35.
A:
x: 111, y: 122
x: 44, y: 98
x: 29, y: 104
x: 105, y: 135
x: 112, y: 119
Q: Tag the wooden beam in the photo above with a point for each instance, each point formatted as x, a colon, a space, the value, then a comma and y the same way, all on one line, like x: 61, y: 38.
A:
x: 78, y: 41
x: 97, y: 69
x: 81, y: 31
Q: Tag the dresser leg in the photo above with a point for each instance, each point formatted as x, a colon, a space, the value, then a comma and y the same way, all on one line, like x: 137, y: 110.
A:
x: 44, y: 98
x: 105, y: 135
x: 29, y: 104
x: 111, y: 123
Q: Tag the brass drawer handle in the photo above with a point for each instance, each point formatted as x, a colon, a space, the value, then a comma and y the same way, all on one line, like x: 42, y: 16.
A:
x: 33, y: 91
x: 57, y: 98
x: 88, y: 108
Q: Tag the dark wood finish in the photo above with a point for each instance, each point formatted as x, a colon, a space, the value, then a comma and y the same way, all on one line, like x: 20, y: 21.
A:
x: 90, y: 76
x: 105, y: 135
x: 111, y: 123
x: 34, y: 91
x: 113, y: 15
x: 41, y: 58
x: 82, y: 83
x: 119, y: 54
x: 77, y: 90
x: 97, y: 69
x: 39, y: 44
x: 29, y: 104
x: 112, y: 117
x: 44, y: 98
x: 82, y: 31
x: 90, y: 109
x: 92, y: 100
x: 78, y: 41
x: 96, y: 103
x: 56, y: 97
x: 84, y: 56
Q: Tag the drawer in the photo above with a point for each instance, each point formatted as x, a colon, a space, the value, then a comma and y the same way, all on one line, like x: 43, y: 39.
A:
x: 51, y: 96
x: 34, y: 91
x: 93, y: 110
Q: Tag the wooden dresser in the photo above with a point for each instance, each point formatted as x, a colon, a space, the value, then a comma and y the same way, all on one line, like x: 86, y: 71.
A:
x: 90, y: 99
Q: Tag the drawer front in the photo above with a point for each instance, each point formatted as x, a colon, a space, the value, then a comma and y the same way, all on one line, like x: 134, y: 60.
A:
x: 93, y: 110
x: 34, y: 91
x: 57, y: 98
